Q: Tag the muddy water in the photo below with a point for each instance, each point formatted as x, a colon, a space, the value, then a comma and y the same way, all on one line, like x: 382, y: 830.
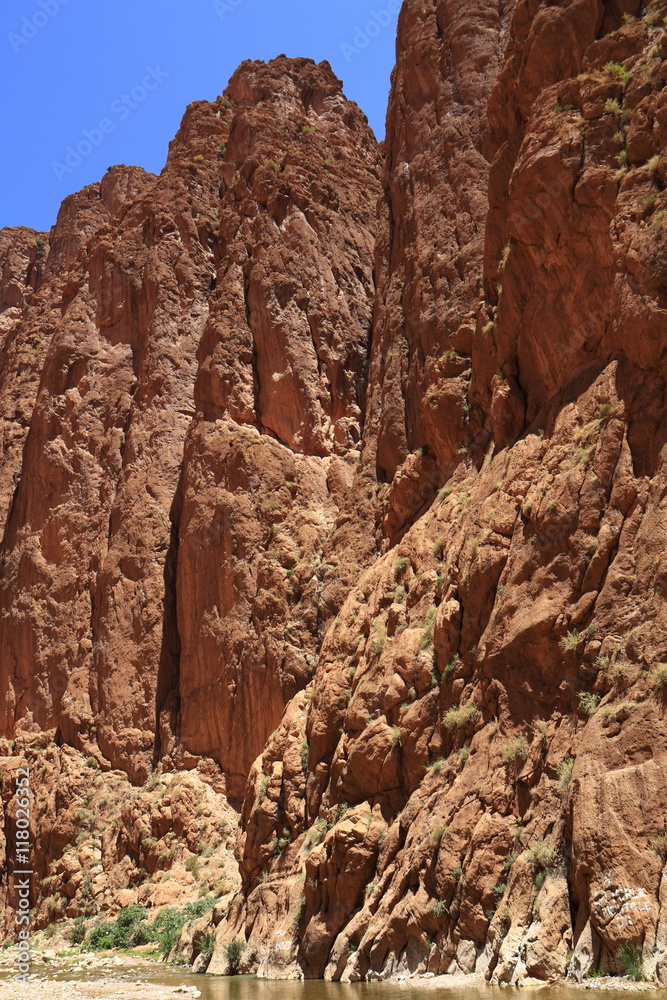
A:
x: 248, y: 988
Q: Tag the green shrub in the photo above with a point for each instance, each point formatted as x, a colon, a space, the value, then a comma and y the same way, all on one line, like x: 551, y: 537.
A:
x: 438, y: 832
x: 122, y: 933
x: 460, y: 715
x: 400, y: 566
x: 315, y: 834
x: 141, y: 934
x: 169, y: 923
x: 659, y: 677
x: 588, y: 703
x: 153, y: 783
x: 569, y: 642
x: 126, y: 921
x: 192, y: 866
x: 379, y: 638
x: 541, y: 854
x: 612, y: 107
x: 222, y: 149
x: 206, y: 945
x: 619, y: 71
x: 516, y: 749
x: 234, y: 950
x: 440, y: 908
x: 299, y: 910
x: 166, y: 929
x: 77, y: 934
x: 564, y: 770
x: 450, y: 668
x: 630, y: 957
x: 426, y: 638
x: 102, y: 937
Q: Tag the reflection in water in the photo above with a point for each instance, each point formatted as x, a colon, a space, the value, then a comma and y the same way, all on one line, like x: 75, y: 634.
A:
x: 248, y: 988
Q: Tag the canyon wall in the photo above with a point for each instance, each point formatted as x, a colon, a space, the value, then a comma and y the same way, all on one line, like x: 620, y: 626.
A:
x: 486, y: 723
x: 333, y: 478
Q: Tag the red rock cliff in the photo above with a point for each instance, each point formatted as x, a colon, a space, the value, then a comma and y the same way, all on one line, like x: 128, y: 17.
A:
x: 203, y: 379
x: 359, y: 517
x: 486, y: 722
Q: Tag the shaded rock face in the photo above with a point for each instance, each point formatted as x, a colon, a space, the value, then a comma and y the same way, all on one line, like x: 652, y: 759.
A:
x: 363, y: 521
x: 431, y: 240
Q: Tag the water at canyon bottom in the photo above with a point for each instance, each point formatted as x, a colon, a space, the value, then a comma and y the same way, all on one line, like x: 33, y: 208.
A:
x: 248, y: 988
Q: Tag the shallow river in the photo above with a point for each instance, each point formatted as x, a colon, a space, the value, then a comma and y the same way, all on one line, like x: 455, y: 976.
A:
x: 248, y: 988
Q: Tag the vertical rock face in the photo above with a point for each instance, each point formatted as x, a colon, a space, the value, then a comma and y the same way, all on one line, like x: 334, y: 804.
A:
x: 22, y: 253
x: 431, y: 247
x: 492, y: 688
x: 82, y: 571
x: 253, y: 267
x: 280, y: 398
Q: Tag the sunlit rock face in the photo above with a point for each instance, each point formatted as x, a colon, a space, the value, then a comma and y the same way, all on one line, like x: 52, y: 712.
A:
x: 332, y: 492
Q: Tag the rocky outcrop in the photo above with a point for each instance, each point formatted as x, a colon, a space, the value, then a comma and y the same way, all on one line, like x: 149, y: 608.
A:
x: 102, y: 844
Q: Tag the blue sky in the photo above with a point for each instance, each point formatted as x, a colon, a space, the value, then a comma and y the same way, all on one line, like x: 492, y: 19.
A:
x: 69, y: 65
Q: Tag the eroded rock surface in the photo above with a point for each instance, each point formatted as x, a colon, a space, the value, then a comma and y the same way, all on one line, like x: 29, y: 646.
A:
x: 358, y: 518
x: 492, y: 687
x: 201, y: 343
